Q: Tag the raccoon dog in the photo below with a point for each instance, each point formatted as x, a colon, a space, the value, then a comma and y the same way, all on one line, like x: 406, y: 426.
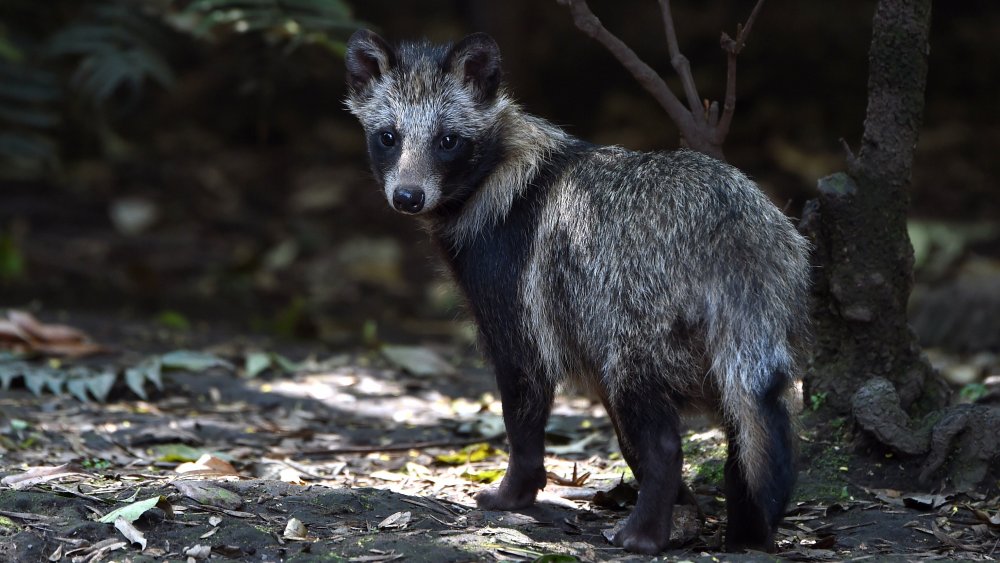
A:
x: 658, y: 280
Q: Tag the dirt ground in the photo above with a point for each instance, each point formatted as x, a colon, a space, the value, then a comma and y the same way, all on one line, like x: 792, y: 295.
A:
x: 374, y: 454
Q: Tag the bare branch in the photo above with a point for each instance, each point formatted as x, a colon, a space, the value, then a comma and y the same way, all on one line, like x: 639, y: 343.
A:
x: 677, y: 59
x: 698, y: 137
x: 733, y: 48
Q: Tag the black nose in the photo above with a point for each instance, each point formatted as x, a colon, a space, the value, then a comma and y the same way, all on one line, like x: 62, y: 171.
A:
x: 408, y: 200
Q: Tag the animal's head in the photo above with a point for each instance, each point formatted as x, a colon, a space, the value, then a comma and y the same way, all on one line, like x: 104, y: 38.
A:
x: 430, y: 115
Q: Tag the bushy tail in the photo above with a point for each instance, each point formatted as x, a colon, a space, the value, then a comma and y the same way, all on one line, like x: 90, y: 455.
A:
x: 760, y: 471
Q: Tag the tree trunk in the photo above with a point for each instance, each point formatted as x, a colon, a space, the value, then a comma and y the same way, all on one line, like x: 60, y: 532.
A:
x: 863, y: 259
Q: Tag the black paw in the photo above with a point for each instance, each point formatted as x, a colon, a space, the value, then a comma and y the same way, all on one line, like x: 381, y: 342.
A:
x: 639, y: 542
x: 498, y: 498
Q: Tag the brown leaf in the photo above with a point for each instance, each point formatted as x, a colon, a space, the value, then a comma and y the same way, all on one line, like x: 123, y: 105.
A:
x: 208, y: 465
x: 22, y: 332
x: 45, y: 332
x: 10, y: 331
x: 983, y: 516
x: 574, y: 481
x: 950, y: 541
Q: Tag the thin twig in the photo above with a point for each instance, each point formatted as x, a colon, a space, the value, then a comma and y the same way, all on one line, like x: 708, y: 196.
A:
x: 733, y: 48
x: 679, y: 61
x: 587, y: 22
x: 313, y: 454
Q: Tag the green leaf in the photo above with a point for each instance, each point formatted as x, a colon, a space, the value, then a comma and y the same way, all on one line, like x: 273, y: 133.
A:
x: 9, y: 371
x: 209, y: 494
x: 133, y: 511
x: 147, y: 370
x: 35, y: 380
x: 174, y: 320
x: 11, y: 259
x: 418, y: 360
x: 78, y: 388
x: 483, y: 476
x: 100, y: 384
x: 286, y: 365
x: 115, y: 50
x: 176, y: 452
x: 193, y: 361
x: 255, y: 363
x: 54, y: 381
x: 473, y: 453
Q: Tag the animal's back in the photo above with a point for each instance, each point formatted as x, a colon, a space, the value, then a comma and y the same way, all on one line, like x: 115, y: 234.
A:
x: 670, y: 261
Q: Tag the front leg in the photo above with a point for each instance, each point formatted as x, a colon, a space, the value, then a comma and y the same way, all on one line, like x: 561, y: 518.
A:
x: 527, y: 401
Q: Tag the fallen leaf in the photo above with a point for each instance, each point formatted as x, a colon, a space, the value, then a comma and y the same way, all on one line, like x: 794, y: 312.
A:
x: 192, y: 361
x: 208, y: 464
x: 198, y: 551
x: 209, y: 494
x: 133, y: 511
x: 290, y: 475
x: 37, y: 475
x: 137, y: 376
x: 398, y: 520
x: 580, y: 446
x: 620, y: 496
x: 176, y: 452
x: 21, y: 331
x: 469, y: 454
x: 574, y: 481
x: 376, y: 558
x: 924, y: 501
x: 130, y: 532
x: 47, y: 332
x: 255, y: 363
x: 948, y: 540
x: 418, y: 360
x: 294, y: 530
x: 983, y: 516
x: 483, y: 476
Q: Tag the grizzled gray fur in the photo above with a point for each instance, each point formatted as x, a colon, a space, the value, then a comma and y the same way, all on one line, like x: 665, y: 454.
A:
x: 660, y: 281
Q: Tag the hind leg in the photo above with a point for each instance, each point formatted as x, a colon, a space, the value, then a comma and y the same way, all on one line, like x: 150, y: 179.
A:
x: 527, y: 402
x: 755, y: 509
x: 647, y: 427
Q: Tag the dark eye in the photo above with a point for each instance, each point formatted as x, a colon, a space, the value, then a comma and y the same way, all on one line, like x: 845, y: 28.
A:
x: 387, y: 139
x: 449, y: 142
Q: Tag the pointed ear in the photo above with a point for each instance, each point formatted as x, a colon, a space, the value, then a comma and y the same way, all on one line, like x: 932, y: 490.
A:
x: 368, y: 58
x: 476, y: 62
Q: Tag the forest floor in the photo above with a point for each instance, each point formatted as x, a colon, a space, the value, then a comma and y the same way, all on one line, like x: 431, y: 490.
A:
x: 252, y: 449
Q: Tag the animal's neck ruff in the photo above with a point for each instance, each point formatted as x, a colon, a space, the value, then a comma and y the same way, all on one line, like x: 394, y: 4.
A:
x: 529, y: 144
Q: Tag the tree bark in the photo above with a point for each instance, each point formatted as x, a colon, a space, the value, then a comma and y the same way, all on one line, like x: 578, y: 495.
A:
x: 863, y: 258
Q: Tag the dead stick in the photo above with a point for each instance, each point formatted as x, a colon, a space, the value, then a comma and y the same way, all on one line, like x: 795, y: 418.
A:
x: 397, y: 447
x: 680, y: 63
x: 733, y: 48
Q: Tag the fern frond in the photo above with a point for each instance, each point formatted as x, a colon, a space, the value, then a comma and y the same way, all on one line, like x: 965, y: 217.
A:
x: 27, y: 119
x: 116, y: 52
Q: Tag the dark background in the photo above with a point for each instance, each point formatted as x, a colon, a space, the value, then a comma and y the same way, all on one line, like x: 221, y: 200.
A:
x: 265, y: 214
